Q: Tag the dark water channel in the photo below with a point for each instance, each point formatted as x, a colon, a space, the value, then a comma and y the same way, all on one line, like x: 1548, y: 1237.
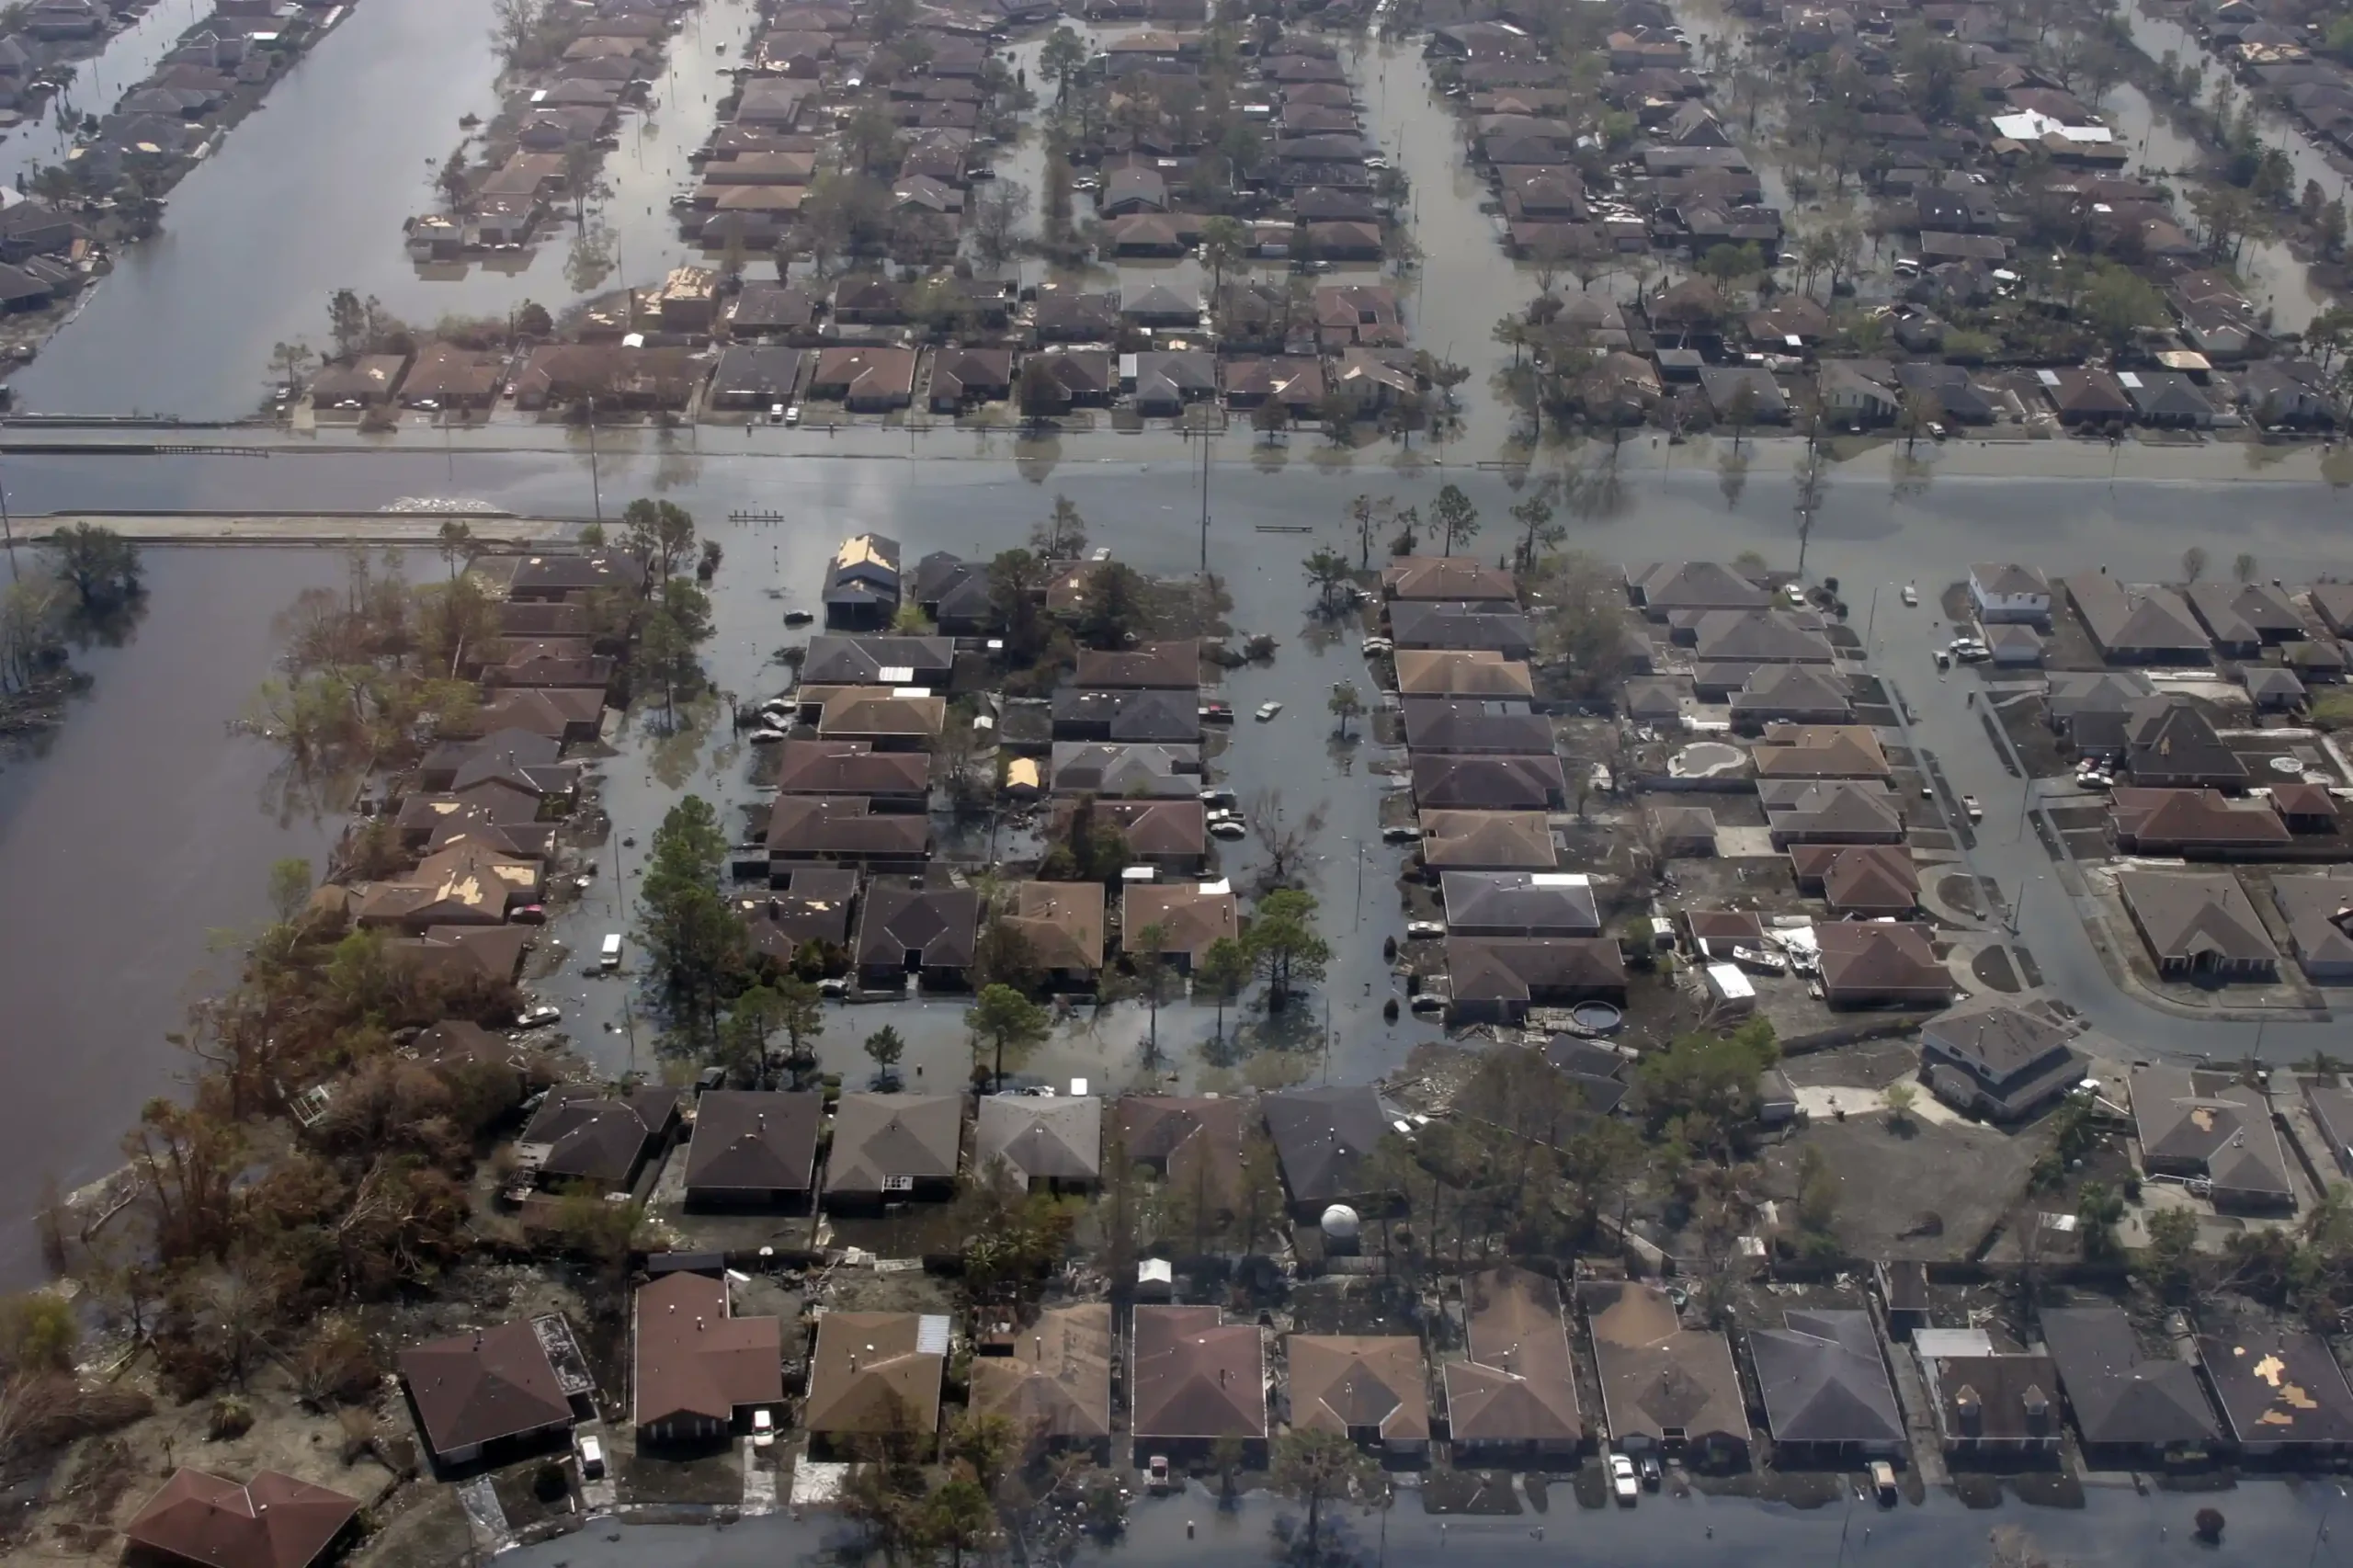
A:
x: 140, y: 830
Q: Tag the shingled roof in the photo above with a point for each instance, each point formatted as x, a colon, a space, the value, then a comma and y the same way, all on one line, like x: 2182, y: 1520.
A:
x: 1824, y: 1382
x: 1058, y: 1139
x: 1324, y: 1138
x: 272, y: 1521
x: 484, y: 1384
x: 1340, y: 1383
x: 695, y: 1360
x: 1519, y: 1382
x: 754, y: 1142
x: 1196, y: 1376
x: 2122, y: 1396
x: 1057, y: 1382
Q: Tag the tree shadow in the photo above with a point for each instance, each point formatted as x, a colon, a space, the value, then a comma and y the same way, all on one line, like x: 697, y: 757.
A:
x: 1035, y: 457
x: 1732, y: 477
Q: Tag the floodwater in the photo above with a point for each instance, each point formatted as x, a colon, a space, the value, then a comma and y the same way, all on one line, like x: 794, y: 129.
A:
x: 138, y: 831
x: 2117, y: 1527
x: 99, y: 82
x: 342, y: 150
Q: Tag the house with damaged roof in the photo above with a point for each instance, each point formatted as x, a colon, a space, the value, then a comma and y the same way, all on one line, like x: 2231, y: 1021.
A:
x: 1062, y: 924
x: 1664, y: 1387
x: 1370, y: 1388
x: 1053, y: 1379
x: 1189, y: 917
x: 2282, y: 1391
x: 2209, y: 1127
x: 1513, y: 1397
x: 1194, y: 1381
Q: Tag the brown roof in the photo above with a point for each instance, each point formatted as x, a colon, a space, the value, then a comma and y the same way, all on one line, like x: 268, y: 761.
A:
x: 1446, y: 577
x: 1057, y: 1382
x: 1863, y: 878
x: 477, y: 1387
x: 1501, y: 783
x: 755, y: 1142
x: 1819, y: 751
x: 857, y: 711
x: 1656, y: 1375
x: 2150, y: 818
x: 594, y: 1138
x: 1471, y: 841
x: 1199, y: 1140
x: 849, y: 768
x: 1523, y: 969
x: 877, y: 1137
x: 1195, y: 1375
x: 1063, y: 923
x: 1339, y: 1382
x: 466, y: 884
x: 540, y: 709
x: 1189, y: 917
x: 1739, y: 925
x: 1151, y: 827
x: 870, y: 1376
x: 846, y: 828
x: 1157, y: 666
x: 272, y: 1521
x: 694, y: 1358
x: 1519, y: 1384
x: 1460, y: 672
x: 1881, y: 958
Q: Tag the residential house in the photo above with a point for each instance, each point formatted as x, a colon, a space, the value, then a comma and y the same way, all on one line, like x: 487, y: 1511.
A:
x: 1102, y: 767
x: 1489, y: 783
x: 1819, y: 751
x: 1170, y: 834
x: 1361, y: 314
x: 1188, y: 916
x: 2199, y: 925
x: 891, y: 781
x: 753, y: 1149
x: 888, y: 717
x: 1513, y: 1397
x: 845, y: 829
x: 1194, y: 1381
x: 697, y: 1367
x: 1372, y: 1389
x: 1482, y: 727
x: 270, y: 1521
x: 893, y: 1148
x: 2282, y: 1391
x: 906, y: 929
x: 865, y: 379
x: 878, y: 661
x: 876, y: 1375
x: 752, y: 376
x: 2246, y: 618
x: 1487, y: 841
x: 1964, y: 401
x: 2207, y: 1127
x: 1046, y: 1144
x: 2318, y: 912
x: 2137, y: 624
x: 1055, y: 1384
x: 562, y: 577
x: 1664, y: 1388
x: 2276, y: 392
x: 1161, y: 383
x: 1857, y: 880
x: 2131, y: 1406
x: 862, y: 583
x: 2005, y: 591
x: 1149, y: 666
x: 1800, y: 695
x: 2331, y: 1105
x: 1836, y: 810
x: 579, y: 1135
x: 2194, y: 824
x: 1499, y: 979
x: 1663, y: 587
x: 963, y: 378
x: 1825, y: 1386
x: 1987, y: 1403
x: 492, y: 1392
x: 1861, y: 394
x: 805, y: 904
x: 1680, y: 830
x: 1157, y: 306
x: 1743, y: 639
x: 1415, y: 623
x: 1062, y: 924
x: 2000, y: 1062
x: 1519, y: 904
x: 2166, y: 398
x: 1127, y: 717
x: 466, y: 884
x: 1447, y: 672
x: 2087, y: 395
x: 1325, y: 1139
x: 1874, y: 963
x: 1452, y: 578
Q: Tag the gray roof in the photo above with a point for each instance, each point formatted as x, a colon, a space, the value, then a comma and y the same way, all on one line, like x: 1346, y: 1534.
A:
x: 2312, y: 905
x: 1325, y: 1139
x: 1793, y: 689
x: 2009, y: 579
x: 2245, y: 612
x: 1559, y: 902
x: 2192, y: 915
x: 860, y: 661
x: 2208, y: 1123
x: 1999, y: 1042
x: 755, y: 1142
x: 1058, y: 1139
x: 1469, y: 724
x: 2166, y: 738
x: 877, y: 1136
x: 942, y: 924
x: 2278, y: 1385
x: 1823, y: 1381
x: 1695, y: 585
x: 1112, y: 768
x: 2136, y: 618
x: 1762, y: 636
x: 2072, y: 692
x: 1499, y: 783
x: 1440, y: 624
x: 2119, y: 1396
x: 1799, y: 807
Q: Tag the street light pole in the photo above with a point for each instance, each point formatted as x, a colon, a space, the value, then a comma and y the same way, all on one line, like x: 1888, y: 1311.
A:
x: 595, y: 487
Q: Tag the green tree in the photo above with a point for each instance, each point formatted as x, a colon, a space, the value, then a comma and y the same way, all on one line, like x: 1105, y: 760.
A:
x: 959, y: 1516
x: 101, y: 565
x: 690, y: 931
x: 1346, y: 704
x: 2098, y: 1208
x: 347, y: 323
x: 1817, y: 1195
x: 800, y: 1014
x: 1456, y: 518
x: 455, y: 541
x: 1223, y: 970
x: 1901, y: 1097
x: 2119, y: 305
x: 2173, y: 1242
x: 1007, y: 1022
x: 289, y: 887
x: 1284, y: 944
x: 1329, y: 570
x: 1062, y: 535
x: 661, y: 534
x: 1148, y: 956
x: 885, y: 1047
x: 1704, y: 1086
x: 1314, y: 1466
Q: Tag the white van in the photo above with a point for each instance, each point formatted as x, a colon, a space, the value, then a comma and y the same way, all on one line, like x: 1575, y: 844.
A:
x: 609, y: 956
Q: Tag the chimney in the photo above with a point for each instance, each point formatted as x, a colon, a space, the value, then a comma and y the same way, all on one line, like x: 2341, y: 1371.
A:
x: 1969, y: 1411
x: 2038, y: 1410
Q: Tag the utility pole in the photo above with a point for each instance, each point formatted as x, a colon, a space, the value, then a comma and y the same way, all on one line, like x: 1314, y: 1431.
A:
x: 8, y: 530
x: 1205, y: 501
x: 596, y: 488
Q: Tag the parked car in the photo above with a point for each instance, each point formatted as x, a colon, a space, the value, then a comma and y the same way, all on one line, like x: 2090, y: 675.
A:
x: 1268, y: 710
x: 1217, y: 713
x: 1156, y: 1474
x: 608, y: 957
x: 1622, y: 1484
x: 1883, y: 1482
x: 1648, y: 1465
x: 1402, y: 832
x: 1420, y: 929
x: 791, y: 413
x: 1795, y: 594
x: 763, y: 1429
x: 592, y: 1459
x: 1976, y: 813
x: 1229, y: 829
x: 539, y: 1016
x: 1911, y: 596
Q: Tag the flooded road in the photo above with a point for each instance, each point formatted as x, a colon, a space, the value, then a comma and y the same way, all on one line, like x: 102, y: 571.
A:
x: 139, y: 831
x: 341, y: 151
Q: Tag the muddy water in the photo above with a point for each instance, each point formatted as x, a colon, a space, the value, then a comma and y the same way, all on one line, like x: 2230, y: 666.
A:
x: 141, y: 829
x: 343, y: 150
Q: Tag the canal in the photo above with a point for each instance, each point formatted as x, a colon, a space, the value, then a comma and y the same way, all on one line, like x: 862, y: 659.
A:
x: 341, y: 151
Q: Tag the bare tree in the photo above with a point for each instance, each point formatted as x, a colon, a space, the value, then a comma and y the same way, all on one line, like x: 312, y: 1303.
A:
x: 1283, y: 839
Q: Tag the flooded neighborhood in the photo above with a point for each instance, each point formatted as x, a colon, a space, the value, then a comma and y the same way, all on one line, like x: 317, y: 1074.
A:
x: 903, y: 781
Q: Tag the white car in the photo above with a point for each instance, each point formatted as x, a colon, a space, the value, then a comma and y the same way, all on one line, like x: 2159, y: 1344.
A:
x: 1623, y: 1483
x: 1228, y: 829
x: 1268, y: 710
x: 1911, y: 596
x: 538, y: 1017
x: 791, y: 415
x: 592, y: 1459
x: 1401, y: 833
x: 1968, y: 804
x: 763, y: 1429
x: 767, y: 735
x: 1795, y: 594
x: 1419, y: 929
